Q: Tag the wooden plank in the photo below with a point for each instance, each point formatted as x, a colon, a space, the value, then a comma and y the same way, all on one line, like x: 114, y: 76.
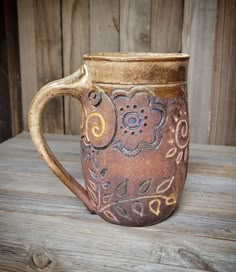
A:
x: 70, y: 243
x: 10, y: 10
x: 28, y: 64
x: 195, y: 216
x: 25, y: 258
x: 199, y: 236
x: 198, y: 42
x: 30, y: 186
x: 223, y: 92
x: 135, y: 17
x: 104, y: 26
x: 166, y: 25
x: 75, y: 28
x: 49, y: 58
x: 40, y: 56
x: 5, y: 117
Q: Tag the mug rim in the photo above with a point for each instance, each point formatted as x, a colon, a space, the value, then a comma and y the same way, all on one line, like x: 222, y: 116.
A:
x: 136, y: 56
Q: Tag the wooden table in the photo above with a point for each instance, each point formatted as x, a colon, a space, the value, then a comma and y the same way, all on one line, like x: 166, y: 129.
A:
x: 43, y: 227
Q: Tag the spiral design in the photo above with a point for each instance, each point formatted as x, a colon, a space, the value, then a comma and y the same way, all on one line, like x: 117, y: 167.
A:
x: 95, y: 123
x: 181, y: 134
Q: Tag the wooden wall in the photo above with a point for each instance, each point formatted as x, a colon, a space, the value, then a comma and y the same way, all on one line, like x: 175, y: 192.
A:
x: 54, y: 35
x: 10, y: 89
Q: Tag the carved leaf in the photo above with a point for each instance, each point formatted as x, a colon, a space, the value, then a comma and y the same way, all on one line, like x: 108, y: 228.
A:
x: 171, y: 152
x: 137, y: 207
x: 144, y: 187
x: 103, y: 172
x: 165, y: 185
x: 106, y: 184
x: 154, y: 206
x: 106, y: 198
x: 185, y: 154
x: 121, y: 189
x: 93, y: 175
x: 92, y: 184
x: 93, y: 203
x: 111, y: 216
x: 171, y: 200
x: 95, y: 163
x: 121, y: 211
x: 179, y: 157
x: 92, y: 194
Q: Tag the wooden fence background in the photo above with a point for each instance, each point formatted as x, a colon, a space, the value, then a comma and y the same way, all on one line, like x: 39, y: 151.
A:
x: 55, y: 34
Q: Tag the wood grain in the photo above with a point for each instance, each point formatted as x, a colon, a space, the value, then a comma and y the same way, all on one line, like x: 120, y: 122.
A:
x: 75, y: 28
x: 44, y: 227
x: 104, y: 26
x: 166, y: 25
x: 135, y: 17
x: 5, y: 113
x: 40, y: 56
x: 223, y: 92
x: 28, y: 64
x: 27, y: 257
x: 11, y: 28
x: 112, y: 248
x: 49, y: 59
x: 198, y: 42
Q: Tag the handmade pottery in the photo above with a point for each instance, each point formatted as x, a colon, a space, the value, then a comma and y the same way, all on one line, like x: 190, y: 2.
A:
x: 134, y: 134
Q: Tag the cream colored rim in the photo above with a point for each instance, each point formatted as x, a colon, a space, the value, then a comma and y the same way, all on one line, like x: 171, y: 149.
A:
x: 132, y: 56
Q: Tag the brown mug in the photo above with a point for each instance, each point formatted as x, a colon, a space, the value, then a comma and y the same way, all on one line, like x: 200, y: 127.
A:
x: 134, y: 134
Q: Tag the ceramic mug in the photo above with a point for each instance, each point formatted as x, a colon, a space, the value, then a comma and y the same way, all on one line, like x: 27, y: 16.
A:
x: 134, y: 134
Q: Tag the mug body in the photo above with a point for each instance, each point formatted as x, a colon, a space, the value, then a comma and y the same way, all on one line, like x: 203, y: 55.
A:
x: 135, y: 135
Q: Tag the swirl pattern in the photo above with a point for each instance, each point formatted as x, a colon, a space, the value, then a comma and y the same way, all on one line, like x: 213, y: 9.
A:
x: 96, y: 124
x: 181, y: 134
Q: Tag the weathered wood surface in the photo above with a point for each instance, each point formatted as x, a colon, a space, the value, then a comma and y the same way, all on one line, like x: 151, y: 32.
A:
x: 135, y: 25
x: 43, y: 227
x: 104, y: 26
x: 198, y: 41
x: 40, y: 57
x: 223, y: 102
x: 166, y: 25
x: 10, y: 89
x: 75, y: 35
x: 5, y: 113
x: 13, y: 65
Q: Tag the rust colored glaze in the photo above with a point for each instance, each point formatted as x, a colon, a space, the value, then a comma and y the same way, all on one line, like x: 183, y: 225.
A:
x: 134, y: 134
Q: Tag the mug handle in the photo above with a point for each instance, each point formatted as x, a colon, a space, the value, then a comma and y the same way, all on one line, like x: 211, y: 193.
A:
x: 72, y: 85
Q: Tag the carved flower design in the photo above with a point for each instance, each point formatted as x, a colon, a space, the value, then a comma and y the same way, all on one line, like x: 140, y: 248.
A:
x: 139, y: 120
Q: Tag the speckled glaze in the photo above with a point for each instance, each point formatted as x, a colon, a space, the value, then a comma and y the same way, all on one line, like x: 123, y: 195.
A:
x: 134, y: 134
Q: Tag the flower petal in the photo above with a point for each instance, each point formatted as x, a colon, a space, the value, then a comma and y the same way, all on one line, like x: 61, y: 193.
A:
x: 165, y: 185
x: 171, y: 152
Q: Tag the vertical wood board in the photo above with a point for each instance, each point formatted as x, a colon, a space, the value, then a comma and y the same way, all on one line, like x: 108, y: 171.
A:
x: 40, y: 57
x: 75, y: 31
x: 5, y: 116
x: 10, y: 9
x: 223, y: 92
x: 135, y: 19
x: 198, y: 42
x: 166, y: 25
x: 104, y: 26
x: 28, y: 64
x: 49, y: 59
